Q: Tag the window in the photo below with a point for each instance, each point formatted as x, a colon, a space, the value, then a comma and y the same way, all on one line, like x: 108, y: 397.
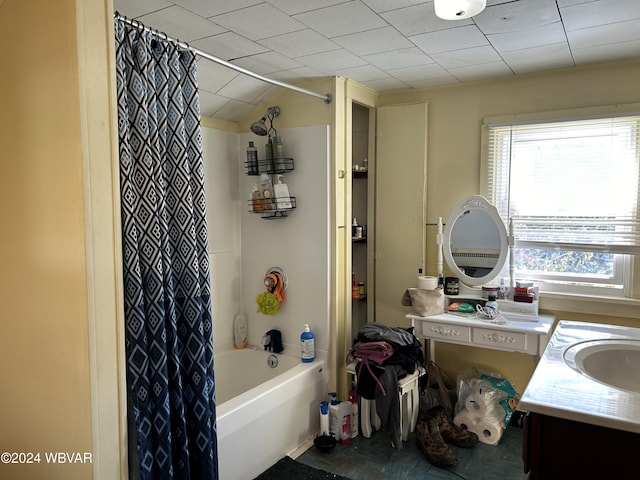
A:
x: 570, y: 190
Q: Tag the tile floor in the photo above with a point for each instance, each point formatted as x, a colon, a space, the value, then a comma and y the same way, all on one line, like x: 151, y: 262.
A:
x: 375, y: 459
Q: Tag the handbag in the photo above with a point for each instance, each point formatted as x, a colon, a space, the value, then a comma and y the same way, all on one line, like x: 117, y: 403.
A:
x: 437, y: 388
x: 424, y: 303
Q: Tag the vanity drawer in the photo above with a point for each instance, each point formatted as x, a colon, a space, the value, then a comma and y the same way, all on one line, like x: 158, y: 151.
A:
x: 504, y: 340
x: 445, y: 331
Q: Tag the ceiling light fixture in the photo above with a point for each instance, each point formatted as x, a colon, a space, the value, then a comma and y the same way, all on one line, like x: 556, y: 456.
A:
x: 458, y: 9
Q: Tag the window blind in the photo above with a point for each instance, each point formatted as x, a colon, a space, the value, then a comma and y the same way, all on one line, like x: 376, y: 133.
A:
x: 570, y: 185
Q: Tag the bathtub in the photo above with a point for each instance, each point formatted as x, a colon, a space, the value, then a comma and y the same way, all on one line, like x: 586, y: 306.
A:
x: 264, y: 413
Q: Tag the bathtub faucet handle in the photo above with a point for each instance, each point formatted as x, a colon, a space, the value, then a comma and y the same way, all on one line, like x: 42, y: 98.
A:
x: 266, y: 341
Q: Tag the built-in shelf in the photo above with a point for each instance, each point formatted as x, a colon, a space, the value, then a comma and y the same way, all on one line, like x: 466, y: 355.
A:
x: 359, y: 240
x: 359, y: 173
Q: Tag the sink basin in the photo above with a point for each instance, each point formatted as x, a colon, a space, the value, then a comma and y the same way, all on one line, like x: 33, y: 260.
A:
x: 613, y: 362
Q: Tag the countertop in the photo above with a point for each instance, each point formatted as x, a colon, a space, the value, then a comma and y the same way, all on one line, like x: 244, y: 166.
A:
x: 558, y: 390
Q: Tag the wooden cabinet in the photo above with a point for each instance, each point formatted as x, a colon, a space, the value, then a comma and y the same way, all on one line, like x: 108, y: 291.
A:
x: 559, y: 448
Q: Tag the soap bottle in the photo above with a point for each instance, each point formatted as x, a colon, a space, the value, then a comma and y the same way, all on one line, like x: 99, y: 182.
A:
x: 281, y: 192
x: 307, y: 345
x: 355, y: 228
x: 266, y: 190
x: 252, y: 159
x: 334, y: 416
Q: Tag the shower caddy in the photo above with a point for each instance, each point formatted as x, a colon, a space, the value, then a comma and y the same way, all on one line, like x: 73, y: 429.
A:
x: 273, y: 167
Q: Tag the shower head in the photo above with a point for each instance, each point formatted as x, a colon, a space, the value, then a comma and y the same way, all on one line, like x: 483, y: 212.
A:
x: 259, y: 127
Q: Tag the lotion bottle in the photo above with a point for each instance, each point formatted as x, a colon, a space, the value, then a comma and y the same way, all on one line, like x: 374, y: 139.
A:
x: 307, y: 345
x: 281, y: 192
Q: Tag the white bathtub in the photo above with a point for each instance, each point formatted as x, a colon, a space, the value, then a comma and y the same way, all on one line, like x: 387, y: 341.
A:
x: 264, y: 413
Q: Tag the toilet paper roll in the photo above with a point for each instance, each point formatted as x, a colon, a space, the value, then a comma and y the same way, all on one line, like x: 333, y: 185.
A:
x: 464, y: 420
x: 428, y: 283
x: 488, y: 432
x: 477, y: 405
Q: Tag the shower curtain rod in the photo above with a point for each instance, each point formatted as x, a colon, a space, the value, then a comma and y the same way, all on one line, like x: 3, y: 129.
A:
x: 134, y: 23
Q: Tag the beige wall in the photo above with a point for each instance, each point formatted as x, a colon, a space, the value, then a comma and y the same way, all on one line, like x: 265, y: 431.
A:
x: 453, y: 171
x: 44, y: 353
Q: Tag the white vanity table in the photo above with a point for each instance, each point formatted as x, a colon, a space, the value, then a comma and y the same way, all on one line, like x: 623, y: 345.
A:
x: 514, y: 336
x: 475, y: 246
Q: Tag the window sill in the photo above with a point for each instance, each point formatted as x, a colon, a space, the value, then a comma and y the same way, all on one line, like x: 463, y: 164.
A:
x: 575, y: 303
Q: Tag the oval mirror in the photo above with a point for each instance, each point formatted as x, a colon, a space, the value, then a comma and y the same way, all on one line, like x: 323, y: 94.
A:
x: 475, y: 242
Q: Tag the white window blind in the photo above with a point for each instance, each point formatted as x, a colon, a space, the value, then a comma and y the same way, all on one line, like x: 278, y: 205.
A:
x: 569, y: 185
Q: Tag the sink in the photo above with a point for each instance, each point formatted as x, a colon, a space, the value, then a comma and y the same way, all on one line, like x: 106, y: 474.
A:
x: 613, y: 362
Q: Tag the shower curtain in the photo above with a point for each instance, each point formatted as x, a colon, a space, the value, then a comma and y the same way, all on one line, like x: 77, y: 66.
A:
x: 169, y: 344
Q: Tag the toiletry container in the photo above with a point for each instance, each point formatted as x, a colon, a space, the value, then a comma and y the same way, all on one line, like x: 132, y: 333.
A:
x: 334, y: 429
x: 491, y: 302
x: 281, y: 192
x: 257, y: 200
x: 240, y: 331
x: 307, y: 345
x: 324, y: 418
x: 278, y: 154
x: 345, y: 410
x: 355, y: 414
x: 266, y: 190
x: 252, y: 159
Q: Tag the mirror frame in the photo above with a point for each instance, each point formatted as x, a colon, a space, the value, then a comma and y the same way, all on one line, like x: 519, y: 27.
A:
x: 475, y: 202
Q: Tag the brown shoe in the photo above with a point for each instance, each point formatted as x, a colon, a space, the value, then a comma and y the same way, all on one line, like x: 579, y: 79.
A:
x: 432, y: 445
x: 451, y: 433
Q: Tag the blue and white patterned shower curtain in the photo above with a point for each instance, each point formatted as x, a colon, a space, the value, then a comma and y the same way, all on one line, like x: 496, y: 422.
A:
x: 169, y: 344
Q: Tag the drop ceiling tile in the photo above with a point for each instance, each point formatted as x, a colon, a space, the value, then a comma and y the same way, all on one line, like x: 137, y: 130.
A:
x: 331, y: 61
x: 268, y: 62
x: 295, y: 74
x: 133, y: 9
x: 433, y: 82
x: 229, y: 45
x: 534, y: 37
x: 599, y: 12
x: 420, y: 19
x: 448, y: 40
x: 257, y: 22
x: 418, y: 73
x: 607, y: 53
x: 547, y: 64
x: 343, y: 19
x: 380, y: 6
x: 361, y: 74
x: 302, y: 42
x: 517, y: 16
x: 605, y: 34
x: 557, y: 55
x: 373, y: 41
x: 210, y: 103
x: 234, y: 110
x: 292, y: 7
x: 181, y: 24
x: 468, y: 56
x: 208, y: 8
x: 407, y: 57
x: 470, y: 73
x: 212, y: 76
x: 385, y: 84
x: 243, y: 88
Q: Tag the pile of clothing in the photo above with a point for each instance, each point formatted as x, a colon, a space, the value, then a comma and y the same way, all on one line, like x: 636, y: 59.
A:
x: 396, y: 353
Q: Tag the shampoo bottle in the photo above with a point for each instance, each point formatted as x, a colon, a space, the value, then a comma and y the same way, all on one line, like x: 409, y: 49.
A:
x: 281, y: 192
x: 307, y: 345
x: 252, y: 159
x: 257, y: 200
x: 324, y: 418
